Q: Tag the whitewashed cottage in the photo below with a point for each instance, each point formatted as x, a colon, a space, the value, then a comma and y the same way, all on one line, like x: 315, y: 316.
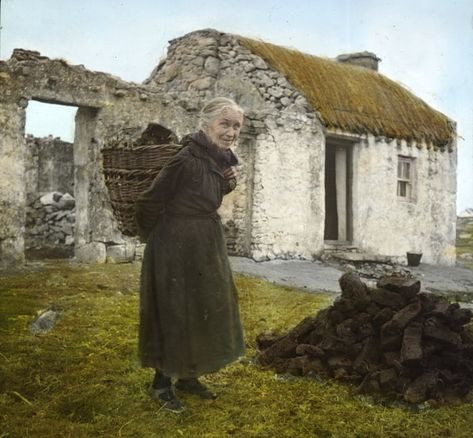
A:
x: 334, y: 154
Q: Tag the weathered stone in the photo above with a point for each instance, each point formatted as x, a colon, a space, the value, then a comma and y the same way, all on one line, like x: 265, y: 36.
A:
x: 44, y: 322
x: 285, y: 101
x: 50, y: 198
x: 198, y: 61
x: 202, y: 84
x: 206, y: 41
x: 212, y: 65
x: 249, y: 67
x: 120, y: 253
x: 276, y: 92
x: 67, y: 202
x: 259, y: 63
x: 94, y: 252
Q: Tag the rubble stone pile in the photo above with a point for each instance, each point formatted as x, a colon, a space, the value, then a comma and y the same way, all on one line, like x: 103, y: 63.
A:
x: 50, y: 221
x: 390, y: 339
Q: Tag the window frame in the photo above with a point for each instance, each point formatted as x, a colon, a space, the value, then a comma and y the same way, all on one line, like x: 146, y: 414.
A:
x: 407, y: 181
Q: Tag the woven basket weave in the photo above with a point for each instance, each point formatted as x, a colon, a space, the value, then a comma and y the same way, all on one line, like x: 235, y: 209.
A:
x: 129, y: 172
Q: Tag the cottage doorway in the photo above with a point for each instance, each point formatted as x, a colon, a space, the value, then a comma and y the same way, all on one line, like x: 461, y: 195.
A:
x: 338, y: 182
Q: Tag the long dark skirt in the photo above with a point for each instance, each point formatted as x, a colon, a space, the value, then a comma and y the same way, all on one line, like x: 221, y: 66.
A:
x: 189, y: 316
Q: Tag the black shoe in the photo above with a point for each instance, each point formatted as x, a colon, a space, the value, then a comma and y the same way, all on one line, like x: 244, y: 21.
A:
x: 168, y: 398
x: 193, y: 386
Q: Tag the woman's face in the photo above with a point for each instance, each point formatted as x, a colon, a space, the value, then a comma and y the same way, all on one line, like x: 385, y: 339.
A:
x: 225, y: 129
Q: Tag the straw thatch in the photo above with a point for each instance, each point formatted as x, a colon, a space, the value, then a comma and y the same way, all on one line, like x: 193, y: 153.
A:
x: 356, y: 99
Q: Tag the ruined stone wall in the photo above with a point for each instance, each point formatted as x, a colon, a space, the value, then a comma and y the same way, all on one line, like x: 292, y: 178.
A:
x: 50, y: 223
x: 49, y: 165
x: 12, y: 183
x: 387, y: 225
x: 105, y: 103
x: 275, y: 210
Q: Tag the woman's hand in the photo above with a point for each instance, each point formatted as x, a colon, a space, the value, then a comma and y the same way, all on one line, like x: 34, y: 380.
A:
x: 230, y: 173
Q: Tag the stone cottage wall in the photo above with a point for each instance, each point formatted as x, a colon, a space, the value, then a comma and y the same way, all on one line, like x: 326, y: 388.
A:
x: 275, y: 210
x: 387, y: 225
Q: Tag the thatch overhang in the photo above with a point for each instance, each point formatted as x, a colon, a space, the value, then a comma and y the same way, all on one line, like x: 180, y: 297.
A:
x: 356, y: 99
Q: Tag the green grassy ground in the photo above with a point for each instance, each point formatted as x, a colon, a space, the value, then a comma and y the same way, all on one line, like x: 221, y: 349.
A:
x: 83, y: 379
x: 465, y: 244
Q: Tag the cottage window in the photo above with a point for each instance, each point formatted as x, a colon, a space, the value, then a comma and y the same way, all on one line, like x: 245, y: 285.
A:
x: 405, y: 178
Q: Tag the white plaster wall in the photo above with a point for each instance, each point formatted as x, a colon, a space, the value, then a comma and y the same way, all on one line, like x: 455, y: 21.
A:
x: 288, y: 199
x: 387, y: 225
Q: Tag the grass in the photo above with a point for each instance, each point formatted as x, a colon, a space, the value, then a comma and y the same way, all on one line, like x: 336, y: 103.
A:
x: 465, y: 242
x: 82, y: 379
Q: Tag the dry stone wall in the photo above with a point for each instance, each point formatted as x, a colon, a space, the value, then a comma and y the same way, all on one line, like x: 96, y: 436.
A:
x: 50, y: 223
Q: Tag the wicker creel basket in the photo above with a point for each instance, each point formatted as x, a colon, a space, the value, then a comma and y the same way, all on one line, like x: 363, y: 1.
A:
x: 129, y: 172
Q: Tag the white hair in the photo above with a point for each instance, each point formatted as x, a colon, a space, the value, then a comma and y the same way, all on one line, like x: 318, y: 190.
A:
x: 214, y: 108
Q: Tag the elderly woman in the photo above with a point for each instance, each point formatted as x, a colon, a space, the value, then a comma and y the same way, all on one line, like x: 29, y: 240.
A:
x: 189, y: 316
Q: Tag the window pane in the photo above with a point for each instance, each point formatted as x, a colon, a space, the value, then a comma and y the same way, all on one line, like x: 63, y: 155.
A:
x: 407, y: 170
x: 402, y: 189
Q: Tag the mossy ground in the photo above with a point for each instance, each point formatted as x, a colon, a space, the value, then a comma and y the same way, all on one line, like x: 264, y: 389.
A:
x: 83, y: 379
x: 465, y: 243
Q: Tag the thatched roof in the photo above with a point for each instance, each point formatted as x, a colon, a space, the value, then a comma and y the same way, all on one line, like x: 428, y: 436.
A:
x: 356, y: 99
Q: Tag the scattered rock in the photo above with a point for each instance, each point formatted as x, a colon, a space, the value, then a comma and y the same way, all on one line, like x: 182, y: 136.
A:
x: 44, y: 322
x: 94, y: 252
x: 66, y: 202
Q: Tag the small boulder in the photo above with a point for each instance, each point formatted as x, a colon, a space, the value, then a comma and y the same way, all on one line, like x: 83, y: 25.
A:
x: 44, y: 322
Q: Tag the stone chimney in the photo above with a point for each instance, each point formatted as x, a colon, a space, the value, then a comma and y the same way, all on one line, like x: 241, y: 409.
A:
x: 362, y: 59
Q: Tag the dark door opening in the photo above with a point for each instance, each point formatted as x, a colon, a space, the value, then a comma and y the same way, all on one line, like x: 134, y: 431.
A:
x: 338, y: 181
x: 331, y: 214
